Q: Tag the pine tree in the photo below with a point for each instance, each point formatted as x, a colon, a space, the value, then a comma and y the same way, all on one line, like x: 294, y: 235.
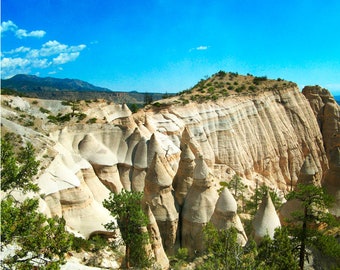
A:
x: 126, y: 207
x: 309, y: 224
x: 223, y: 250
x: 277, y: 253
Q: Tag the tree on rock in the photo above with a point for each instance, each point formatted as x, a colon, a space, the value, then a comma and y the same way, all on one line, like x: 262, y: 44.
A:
x: 126, y: 207
x: 309, y: 224
x: 36, y: 241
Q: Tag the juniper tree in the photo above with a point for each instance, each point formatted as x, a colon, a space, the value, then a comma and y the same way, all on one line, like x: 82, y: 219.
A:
x: 39, y: 241
x: 126, y: 207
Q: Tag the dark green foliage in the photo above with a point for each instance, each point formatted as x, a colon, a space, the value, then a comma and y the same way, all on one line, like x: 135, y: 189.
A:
x: 91, y: 121
x: 260, y: 191
x: 240, y: 89
x: 211, y: 89
x: 252, y: 88
x: 43, y: 110
x: 181, y: 258
x: 277, y: 253
x: 232, y: 75
x: 93, y: 244
x: 223, y: 251
x: 235, y: 185
x: 305, y: 223
x: 18, y: 169
x: 133, y: 107
x: 126, y: 207
x: 221, y: 74
x: 258, y: 80
x: 39, y: 241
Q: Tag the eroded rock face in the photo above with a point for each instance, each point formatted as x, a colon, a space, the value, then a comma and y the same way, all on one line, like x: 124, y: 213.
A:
x: 309, y: 173
x: 266, y: 135
x: 159, y: 196
x: 198, y: 207
x: 327, y: 112
x: 156, y: 241
x: 331, y: 180
x: 184, y: 176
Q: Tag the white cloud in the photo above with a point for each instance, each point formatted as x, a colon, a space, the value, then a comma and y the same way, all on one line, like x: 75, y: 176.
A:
x: 65, y: 57
x: 199, y: 48
x: 8, y: 26
x: 202, y: 48
x: 21, y: 49
x: 51, y: 54
x: 20, y: 33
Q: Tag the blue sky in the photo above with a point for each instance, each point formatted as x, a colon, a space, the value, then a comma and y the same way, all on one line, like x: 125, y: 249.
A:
x: 168, y: 46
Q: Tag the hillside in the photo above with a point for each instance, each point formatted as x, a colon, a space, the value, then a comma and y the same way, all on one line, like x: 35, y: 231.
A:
x: 178, y: 150
x: 70, y: 89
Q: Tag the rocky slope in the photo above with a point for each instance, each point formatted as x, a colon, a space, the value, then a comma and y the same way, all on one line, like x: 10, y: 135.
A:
x: 176, y: 151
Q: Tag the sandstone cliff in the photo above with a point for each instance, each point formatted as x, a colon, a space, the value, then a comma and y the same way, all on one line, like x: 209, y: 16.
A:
x: 327, y: 113
x: 264, y: 137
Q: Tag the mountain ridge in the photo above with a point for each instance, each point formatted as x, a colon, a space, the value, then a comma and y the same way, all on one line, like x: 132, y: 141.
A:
x: 70, y: 89
x: 31, y: 83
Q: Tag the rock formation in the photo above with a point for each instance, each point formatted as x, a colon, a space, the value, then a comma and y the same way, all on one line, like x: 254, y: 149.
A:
x: 156, y: 241
x: 198, y: 207
x: 266, y: 220
x: 225, y: 215
x: 264, y: 135
x: 327, y: 112
x: 159, y: 196
x: 184, y: 176
x: 332, y: 182
x: 308, y: 175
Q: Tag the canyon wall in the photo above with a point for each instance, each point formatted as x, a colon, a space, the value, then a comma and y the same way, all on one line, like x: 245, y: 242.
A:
x: 263, y: 137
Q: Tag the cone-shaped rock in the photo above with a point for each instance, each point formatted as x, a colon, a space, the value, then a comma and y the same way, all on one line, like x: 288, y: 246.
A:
x: 266, y: 220
x: 158, y: 194
x: 184, y: 176
x: 154, y: 147
x: 225, y: 215
x: 156, y: 241
x: 140, y: 158
x: 309, y: 172
x: 132, y: 142
x: 198, y: 208
x: 189, y: 139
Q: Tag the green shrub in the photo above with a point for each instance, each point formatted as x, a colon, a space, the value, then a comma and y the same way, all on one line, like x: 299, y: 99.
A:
x: 43, y: 110
x: 91, y: 121
x: 258, y: 80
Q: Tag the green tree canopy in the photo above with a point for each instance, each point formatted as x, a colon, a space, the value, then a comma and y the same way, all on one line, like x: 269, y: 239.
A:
x: 38, y: 241
x: 309, y: 224
x: 126, y: 207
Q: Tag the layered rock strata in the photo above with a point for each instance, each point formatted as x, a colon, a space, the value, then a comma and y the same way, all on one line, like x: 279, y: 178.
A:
x: 327, y: 113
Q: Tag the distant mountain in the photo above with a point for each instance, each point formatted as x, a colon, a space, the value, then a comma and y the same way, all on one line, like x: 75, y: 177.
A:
x: 29, y: 83
x: 70, y: 89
